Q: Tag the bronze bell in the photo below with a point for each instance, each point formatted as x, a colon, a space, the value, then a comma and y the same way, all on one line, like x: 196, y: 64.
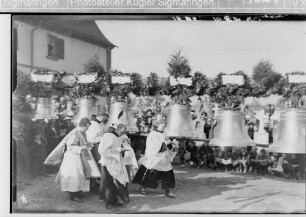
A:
x: 53, y: 109
x: 231, y: 130
x: 43, y: 110
x: 291, y: 131
x: 179, y: 122
x: 86, y: 108
x: 69, y: 110
x: 121, y: 113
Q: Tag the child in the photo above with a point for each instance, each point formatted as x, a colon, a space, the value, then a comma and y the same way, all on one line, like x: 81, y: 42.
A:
x: 193, y: 150
x: 243, y: 161
x: 235, y: 160
x: 227, y: 158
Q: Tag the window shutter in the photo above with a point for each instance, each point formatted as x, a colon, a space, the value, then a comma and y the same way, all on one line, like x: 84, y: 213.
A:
x: 60, y: 48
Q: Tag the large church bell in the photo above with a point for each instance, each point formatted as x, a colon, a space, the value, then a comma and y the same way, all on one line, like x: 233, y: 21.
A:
x: 179, y: 122
x: 121, y: 113
x: 291, y: 131
x: 43, y: 109
x: 231, y: 130
x: 86, y: 108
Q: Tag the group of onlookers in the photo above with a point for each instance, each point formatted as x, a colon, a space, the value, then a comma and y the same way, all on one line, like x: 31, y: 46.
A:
x: 40, y: 137
x: 242, y: 160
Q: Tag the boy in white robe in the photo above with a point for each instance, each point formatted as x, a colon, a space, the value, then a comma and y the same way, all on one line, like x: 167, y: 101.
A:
x: 114, y: 175
x: 156, y: 163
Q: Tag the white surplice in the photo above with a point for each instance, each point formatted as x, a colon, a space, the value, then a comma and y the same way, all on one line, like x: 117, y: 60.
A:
x: 111, y: 157
x: 71, y: 174
x: 153, y: 159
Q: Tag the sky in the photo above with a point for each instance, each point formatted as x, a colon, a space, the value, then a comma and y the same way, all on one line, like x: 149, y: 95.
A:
x: 145, y: 46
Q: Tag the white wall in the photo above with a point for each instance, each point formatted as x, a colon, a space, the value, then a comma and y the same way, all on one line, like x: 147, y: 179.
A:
x: 77, y: 52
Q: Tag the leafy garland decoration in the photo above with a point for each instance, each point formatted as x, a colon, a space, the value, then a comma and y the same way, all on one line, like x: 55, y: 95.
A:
x: 229, y: 96
x: 100, y: 87
x: 293, y: 94
x: 120, y: 92
x: 41, y: 89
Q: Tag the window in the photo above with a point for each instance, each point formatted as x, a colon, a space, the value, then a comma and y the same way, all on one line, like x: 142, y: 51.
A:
x: 55, y: 47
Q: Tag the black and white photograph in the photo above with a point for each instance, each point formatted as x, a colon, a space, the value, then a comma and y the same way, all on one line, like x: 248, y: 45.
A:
x: 158, y: 114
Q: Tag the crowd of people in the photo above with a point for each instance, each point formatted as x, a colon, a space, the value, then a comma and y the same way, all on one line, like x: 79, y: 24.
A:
x: 242, y: 160
x: 145, y: 162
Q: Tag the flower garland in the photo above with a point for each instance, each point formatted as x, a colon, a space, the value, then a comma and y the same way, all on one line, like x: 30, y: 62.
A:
x: 229, y: 96
x: 120, y: 91
x: 293, y: 94
x: 43, y: 82
x: 94, y: 81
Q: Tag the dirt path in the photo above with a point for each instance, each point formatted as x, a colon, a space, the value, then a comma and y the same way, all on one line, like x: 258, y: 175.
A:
x: 197, y: 190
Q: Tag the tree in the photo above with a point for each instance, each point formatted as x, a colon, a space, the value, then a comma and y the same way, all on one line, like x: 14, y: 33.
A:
x: 264, y: 75
x: 94, y: 66
x: 137, y: 84
x: 199, y: 83
x: 178, y: 66
x: 152, y: 84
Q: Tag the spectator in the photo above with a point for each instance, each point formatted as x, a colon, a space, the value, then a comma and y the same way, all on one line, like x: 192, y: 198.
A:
x: 182, y: 151
x: 227, y: 158
x: 251, y: 130
x: 262, y: 162
x: 52, y: 136
x: 295, y: 165
x: 235, y: 159
x: 203, y: 155
x: 207, y: 127
x: 243, y: 161
x: 36, y: 153
x: 217, y: 158
x: 286, y: 166
x: 251, y: 159
x: 193, y: 150
x: 68, y: 124
x: 278, y: 168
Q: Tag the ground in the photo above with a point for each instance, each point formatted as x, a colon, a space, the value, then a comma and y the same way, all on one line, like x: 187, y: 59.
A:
x: 197, y: 190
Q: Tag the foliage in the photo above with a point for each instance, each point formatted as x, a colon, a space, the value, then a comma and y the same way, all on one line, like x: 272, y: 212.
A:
x: 41, y: 89
x: 23, y: 84
x: 164, y: 86
x: 120, y: 92
x: 100, y: 87
x: 295, y: 93
x: 179, y: 66
x: 152, y: 84
x: 265, y: 78
x: 200, y: 83
x: 180, y: 94
x: 229, y: 96
x: 137, y: 84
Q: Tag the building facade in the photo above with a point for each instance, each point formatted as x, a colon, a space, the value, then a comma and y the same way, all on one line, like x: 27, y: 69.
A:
x: 59, y: 43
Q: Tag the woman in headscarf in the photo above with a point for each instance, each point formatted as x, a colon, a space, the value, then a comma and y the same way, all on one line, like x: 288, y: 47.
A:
x: 156, y: 163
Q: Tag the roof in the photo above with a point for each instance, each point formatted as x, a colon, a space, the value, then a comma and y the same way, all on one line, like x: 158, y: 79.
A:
x: 79, y: 27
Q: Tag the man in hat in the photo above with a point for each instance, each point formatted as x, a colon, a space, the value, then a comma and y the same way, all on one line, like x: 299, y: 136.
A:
x: 156, y: 163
